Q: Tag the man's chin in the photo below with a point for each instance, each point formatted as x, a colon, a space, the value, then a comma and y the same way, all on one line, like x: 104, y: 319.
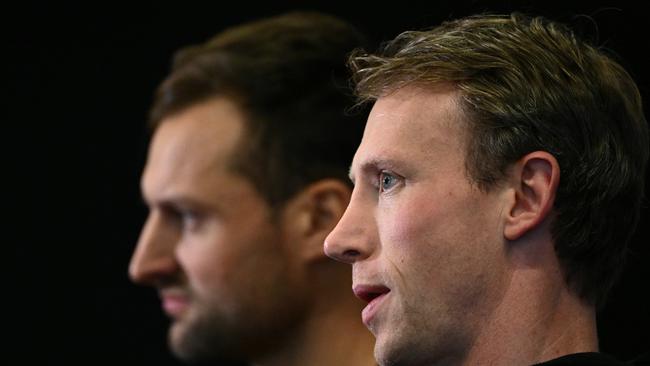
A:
x: 182, y: 344
x: 386, y: 350
x: 175, y: 339
x: 191, y: 342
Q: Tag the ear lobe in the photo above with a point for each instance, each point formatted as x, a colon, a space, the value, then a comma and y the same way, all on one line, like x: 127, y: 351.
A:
x: 535, y: 179
x: 313, y: 213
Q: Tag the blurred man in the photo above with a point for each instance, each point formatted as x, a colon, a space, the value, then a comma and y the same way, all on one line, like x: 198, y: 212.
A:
x: 246, y: 175
x: 498, y: 180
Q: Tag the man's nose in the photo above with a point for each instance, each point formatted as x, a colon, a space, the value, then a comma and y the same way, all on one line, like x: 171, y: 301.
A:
x: 354, y: 237
x: 154, y: 256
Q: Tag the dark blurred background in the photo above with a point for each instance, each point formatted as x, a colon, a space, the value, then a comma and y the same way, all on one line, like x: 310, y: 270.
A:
x: 80, y: 81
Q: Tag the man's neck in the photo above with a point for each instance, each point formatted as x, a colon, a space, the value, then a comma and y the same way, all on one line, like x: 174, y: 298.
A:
x: 536, y: 321
x: 332, y: 333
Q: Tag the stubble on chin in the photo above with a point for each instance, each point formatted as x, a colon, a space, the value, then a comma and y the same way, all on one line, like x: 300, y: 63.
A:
x: 193, y: 338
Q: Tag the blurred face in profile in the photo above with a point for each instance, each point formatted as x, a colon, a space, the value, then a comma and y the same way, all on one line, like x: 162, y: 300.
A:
x: 210, y: 245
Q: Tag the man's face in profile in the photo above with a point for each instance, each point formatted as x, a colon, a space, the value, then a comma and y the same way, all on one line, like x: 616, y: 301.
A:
x: 222, y: 269
x: 425, y: 243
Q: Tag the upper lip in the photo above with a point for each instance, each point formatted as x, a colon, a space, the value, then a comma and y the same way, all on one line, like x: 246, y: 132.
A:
x: 368, y: 293
x: 173, y: 293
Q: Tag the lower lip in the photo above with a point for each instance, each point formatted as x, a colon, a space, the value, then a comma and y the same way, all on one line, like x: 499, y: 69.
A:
x: 174, y: 306
x: 371, y: 309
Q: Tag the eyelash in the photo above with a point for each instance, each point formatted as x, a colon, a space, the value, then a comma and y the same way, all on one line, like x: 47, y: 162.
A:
x: 381, y: 179
x: 187, y: 219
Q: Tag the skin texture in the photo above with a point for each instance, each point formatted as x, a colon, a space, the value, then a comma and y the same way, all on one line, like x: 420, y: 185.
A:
x: 472, y: 275
x: 428, y: 229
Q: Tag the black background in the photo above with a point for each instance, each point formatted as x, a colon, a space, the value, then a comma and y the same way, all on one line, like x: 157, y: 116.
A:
x: 79, y: 83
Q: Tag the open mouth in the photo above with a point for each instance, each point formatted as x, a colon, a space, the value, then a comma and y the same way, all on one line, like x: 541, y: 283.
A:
x: 374, y: 296
x: 368, y: 293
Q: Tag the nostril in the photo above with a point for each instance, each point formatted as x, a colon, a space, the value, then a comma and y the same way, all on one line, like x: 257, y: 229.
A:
x: 343, y: 253
x: 351, y: 254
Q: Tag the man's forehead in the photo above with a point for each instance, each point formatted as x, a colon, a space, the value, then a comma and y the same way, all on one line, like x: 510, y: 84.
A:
x: 191, y: 147
x: 411, y: 123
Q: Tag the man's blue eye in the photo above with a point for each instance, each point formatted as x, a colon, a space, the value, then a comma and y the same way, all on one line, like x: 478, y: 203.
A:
x: 189, y: 220
x: 386, y: 181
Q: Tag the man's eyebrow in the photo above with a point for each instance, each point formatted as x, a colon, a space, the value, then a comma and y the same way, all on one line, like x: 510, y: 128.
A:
x: 374, y: 165
x: 174, y: 201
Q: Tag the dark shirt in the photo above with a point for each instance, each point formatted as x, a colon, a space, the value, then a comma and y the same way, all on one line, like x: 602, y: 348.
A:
x: 593, y: 359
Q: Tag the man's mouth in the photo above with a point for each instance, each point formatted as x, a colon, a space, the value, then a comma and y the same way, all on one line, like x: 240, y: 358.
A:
x: 368, y: 293
x: 174, y: 303
x: 374, y: 296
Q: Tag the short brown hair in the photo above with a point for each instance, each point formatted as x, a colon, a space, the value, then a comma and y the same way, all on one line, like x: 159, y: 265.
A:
x: 530, y: 84
x: 288, y: 75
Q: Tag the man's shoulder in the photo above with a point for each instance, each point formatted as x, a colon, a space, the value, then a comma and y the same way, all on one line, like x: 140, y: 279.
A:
x: 595, y: 359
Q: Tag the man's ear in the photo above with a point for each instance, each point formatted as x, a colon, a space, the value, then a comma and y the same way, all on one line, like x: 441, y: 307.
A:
x: 534, y: 178
x: 311, y: 214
